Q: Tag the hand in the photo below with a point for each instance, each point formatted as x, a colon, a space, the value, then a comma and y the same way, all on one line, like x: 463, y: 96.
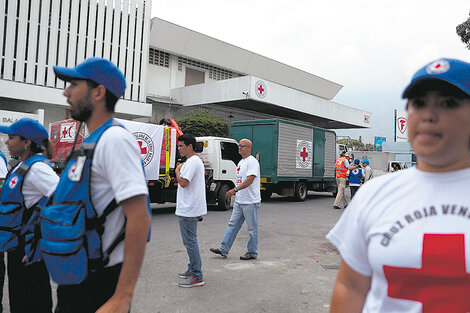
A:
x: 230, y: 193
x: 179, y: 166
x: 116, y: 305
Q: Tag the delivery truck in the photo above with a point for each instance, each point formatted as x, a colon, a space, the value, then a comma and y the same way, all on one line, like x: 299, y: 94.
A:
x: 293, y: 157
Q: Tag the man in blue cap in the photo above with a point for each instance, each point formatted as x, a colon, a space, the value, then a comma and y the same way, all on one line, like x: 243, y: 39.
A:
x: 117, y: 176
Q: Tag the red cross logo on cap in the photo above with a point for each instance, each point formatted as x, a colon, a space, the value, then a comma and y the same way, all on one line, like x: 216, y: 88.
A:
x: 442, y: 284
x: 438, y: 67
x: 13, y: 182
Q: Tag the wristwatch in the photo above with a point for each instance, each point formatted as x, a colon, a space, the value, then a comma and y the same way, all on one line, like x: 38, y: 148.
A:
x: 235, y: 189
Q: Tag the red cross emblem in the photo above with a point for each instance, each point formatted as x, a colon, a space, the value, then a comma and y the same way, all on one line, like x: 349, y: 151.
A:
x: 260, y: 89
x: 13, y: 182
x: 438, y: 67
x: 238, y: 169
x: 65, y: 132
x: 144, y: 149
x: 304, y: 154
x: 442, y: 284
x: 366, y: 119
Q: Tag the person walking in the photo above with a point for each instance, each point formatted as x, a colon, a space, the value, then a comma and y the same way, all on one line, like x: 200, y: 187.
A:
x: 247, y: 202
x: 404, y: 239
x: 368, y: 174
x: 190, y: 206
x: 341, y: 168
x: 105, y: 175
x: 30, y: 182
x: 356, y: 176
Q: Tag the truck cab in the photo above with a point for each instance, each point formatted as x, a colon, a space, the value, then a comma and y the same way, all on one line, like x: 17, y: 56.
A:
x: 220, y: 157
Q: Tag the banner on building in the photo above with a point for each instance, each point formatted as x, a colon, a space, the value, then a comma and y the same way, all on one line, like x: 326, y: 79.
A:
x: 401, y: 126
x: 149, y: 138
x: 378, y: 143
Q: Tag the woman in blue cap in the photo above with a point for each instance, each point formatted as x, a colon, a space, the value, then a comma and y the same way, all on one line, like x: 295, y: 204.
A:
x: 28, y: 183
x: 405, y: 238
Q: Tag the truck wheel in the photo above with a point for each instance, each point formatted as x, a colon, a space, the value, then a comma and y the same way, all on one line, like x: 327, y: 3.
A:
x: 223, y: 202
x: 266, y: 195
x: 300, y: 192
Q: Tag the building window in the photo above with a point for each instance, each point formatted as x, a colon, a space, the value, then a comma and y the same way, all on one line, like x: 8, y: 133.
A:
x: 193, y: 77
x: 215, y: 72
x: 160, y: 58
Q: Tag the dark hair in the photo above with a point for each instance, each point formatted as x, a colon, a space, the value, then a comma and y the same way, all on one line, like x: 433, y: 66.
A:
x: 47, y: 149
x: 110, y: 98
x: 188, y: 139
x: 445, y: 89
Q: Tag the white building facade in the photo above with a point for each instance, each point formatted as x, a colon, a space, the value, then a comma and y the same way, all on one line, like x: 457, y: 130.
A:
x: 169, y: 69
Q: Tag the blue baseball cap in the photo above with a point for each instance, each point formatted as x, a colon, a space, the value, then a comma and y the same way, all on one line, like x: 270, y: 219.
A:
x: 365, y: 161
x: 99, y: 70
x: 28, y: 128
x: 357, y: 161
x: 452, y: 71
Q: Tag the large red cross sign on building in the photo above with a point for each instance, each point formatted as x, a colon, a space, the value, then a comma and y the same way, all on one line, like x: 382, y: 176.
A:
x: 442, y: 284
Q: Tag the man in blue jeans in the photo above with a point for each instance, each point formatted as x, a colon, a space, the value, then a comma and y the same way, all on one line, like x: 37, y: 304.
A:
x: 247, y: 201
x: 190, y: 206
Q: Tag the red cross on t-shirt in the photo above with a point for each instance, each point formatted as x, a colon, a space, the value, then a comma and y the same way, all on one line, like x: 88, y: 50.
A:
x: 304, y: 154
x: 442, y: 284
x: 142, y: 150
x: 261, y: 89
x: 64, y: 132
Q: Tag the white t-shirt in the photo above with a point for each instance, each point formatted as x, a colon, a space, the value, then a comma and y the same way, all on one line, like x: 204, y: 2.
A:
x: 367, y: 173
x: 247, y: 167
x: 40, y: 180
x: 410, y: 231
x: 191, y: 200
x: 3, y: 168
x: 116, y: 173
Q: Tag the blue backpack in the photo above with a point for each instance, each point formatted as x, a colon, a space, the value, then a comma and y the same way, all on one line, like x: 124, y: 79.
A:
x: 16, y: 222
x: 71, y: 242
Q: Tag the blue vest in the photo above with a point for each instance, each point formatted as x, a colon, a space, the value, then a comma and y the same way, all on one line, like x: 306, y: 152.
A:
x: 355, y: 176
x: 14, y: 218
x: 71, y: 229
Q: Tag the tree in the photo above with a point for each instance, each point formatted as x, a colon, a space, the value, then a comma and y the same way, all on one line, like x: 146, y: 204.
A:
x: 356, y: 145
x: 201, y: 122
x: 463, y: 30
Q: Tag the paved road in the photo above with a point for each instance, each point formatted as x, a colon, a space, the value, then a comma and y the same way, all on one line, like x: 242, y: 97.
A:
x: 295, y: 271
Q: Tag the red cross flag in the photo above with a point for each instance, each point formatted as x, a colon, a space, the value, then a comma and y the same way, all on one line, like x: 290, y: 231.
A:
x: 67, y: 132
x: 304, y: 154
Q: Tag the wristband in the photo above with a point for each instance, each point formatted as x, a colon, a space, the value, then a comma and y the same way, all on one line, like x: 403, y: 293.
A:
x: 235, y: 189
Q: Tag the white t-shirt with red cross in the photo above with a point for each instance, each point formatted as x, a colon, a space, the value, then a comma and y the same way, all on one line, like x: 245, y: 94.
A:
x: 248, y: 166
x: 410, y: 232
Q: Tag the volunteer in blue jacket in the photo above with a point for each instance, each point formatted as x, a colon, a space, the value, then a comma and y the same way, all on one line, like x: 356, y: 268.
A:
x: 30, y: 181
x: 356, y: 176
x: 117, y: 174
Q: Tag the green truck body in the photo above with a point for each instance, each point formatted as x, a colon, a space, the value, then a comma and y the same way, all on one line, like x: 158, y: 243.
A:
x: 293, y: 157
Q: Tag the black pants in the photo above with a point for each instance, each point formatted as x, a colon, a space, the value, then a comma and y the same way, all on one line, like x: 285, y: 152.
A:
x: 2, y: 278
x: 90, y: 295
x: 28, y: 286
x: 353, y: 189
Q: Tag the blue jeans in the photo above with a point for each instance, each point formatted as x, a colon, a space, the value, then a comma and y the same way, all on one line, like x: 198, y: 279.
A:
x: 188, y: 227
x: 240, y: 213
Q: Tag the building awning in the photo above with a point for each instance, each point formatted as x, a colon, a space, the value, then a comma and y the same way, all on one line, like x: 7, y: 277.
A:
x: 250, y: 93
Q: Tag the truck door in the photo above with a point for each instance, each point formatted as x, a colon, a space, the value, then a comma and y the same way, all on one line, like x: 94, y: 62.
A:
x: 318, y: 153
x: 229, y: 160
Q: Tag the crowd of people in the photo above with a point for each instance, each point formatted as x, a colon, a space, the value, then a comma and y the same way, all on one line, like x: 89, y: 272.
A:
x: 401, y: 239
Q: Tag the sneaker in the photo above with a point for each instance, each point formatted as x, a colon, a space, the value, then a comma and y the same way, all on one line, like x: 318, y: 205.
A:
x: 247, y: 256
x: 217, y: 251
x: 184, y: 275
x: 336, y: 207
x: 191, y: 281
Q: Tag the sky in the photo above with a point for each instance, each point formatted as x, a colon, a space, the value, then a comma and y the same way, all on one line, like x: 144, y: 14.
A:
x: 371, y: 47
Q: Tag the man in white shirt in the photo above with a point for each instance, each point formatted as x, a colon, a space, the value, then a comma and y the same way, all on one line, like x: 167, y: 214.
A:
x: 247, y: 202
x: 94, y: 87
x: 367, y: 170
x: 190, y: 206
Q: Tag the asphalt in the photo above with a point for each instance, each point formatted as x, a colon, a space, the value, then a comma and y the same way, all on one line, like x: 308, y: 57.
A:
x: 295, y: 270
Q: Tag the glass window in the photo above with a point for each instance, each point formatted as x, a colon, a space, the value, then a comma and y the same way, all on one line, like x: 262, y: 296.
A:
x: 230, y: 152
